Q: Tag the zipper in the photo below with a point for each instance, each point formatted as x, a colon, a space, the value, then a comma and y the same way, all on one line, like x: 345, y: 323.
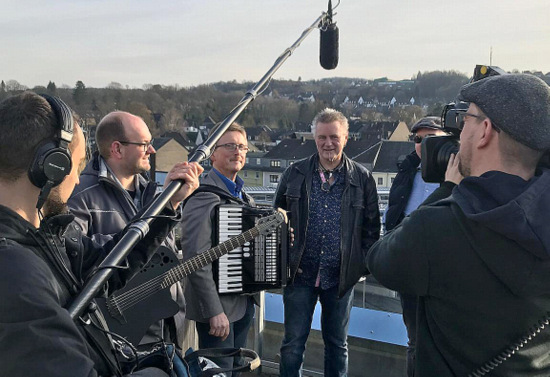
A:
x: 56, y: 261
x: 123, y: 192
x: 305, y: 233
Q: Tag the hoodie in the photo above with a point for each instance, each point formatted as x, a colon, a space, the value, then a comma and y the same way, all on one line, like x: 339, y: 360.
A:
x: 479, y: 263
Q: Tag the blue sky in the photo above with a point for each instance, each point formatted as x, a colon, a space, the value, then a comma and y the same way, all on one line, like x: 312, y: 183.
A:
x: 191, y: 42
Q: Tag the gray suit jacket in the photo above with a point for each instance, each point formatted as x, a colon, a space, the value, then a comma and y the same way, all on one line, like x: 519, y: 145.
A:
x: 203, y: 301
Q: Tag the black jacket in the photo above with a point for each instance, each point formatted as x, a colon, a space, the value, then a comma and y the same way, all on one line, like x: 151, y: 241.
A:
x: 40, y: 273
x: 360, y: 219
x: 480, y: 263
x: 102, y: 208
x: 401, y: 189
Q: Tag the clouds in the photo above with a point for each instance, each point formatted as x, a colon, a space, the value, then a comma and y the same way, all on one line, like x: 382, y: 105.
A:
x: 191, y: 42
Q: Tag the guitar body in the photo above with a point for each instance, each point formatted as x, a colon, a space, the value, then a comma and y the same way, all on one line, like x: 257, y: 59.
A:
x: 146, y: 298
x: 133, y: 322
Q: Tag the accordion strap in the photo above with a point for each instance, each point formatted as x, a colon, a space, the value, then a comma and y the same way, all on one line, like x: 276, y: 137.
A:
x: 218, y: 191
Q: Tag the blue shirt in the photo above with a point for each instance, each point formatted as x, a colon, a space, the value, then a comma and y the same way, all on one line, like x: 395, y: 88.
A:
x: 322, y: 249
x: 235, y: 188
x: 420, y: 192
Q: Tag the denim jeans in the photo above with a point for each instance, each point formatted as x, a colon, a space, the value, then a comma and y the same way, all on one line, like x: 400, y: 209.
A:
x: 238, y: 332
x: 299, y: 302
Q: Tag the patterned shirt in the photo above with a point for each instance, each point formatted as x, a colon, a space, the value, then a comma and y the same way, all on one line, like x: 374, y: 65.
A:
x: 321, y: 258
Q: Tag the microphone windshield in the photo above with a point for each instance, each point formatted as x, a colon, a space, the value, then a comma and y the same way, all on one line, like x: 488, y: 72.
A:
x: 328, y: 53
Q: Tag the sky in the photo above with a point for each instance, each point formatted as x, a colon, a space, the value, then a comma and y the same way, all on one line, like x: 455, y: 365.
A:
x: 193, y: 42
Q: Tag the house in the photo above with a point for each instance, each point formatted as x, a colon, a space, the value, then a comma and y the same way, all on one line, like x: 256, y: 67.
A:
x: 401, y: 133
x: 383, y: 159
x: 169, y: 151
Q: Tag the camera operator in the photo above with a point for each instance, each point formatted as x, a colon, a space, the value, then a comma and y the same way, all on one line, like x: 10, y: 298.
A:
x: 480, y: 260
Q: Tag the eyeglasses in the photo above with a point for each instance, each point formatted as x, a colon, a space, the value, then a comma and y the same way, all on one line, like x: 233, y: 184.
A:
x: 145, y: 145
x: 461, y: 117
x: 230, y: 147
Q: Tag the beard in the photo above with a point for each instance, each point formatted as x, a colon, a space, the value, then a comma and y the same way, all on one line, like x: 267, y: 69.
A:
x: 464, y: 169
x: 54, y: 205
x: 140, y: 167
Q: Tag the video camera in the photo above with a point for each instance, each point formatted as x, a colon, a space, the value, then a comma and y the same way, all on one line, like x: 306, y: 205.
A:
x: 436, y: 150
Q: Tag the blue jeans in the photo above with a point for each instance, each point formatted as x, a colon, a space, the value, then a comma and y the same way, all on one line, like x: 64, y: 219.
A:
x: 238, y: 331
x: 299, y: 302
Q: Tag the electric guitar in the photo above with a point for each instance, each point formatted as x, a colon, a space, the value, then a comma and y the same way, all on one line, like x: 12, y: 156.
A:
x: 148, y: 293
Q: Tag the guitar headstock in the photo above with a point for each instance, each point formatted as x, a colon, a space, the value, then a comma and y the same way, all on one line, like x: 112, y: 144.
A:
x: 267, y: 225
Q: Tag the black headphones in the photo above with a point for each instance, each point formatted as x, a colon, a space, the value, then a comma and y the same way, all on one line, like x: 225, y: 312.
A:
x: 52, y: 160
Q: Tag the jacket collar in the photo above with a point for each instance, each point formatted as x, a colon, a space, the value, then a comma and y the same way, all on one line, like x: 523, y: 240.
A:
x: 98, y: 167
x: 351, y: 173
x: 15, y: 227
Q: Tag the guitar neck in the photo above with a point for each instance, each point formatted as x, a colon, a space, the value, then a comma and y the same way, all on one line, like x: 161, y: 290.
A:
x: 198, y: 261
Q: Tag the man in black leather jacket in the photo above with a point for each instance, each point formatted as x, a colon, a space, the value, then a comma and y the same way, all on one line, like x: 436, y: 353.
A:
x: 44, y: 260
x: 333, y: 207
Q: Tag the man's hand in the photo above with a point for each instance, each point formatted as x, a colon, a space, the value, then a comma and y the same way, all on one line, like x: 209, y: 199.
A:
x: 189, y: 173
x: 453, y: 174
x: 290, y: 229
x: 219, y: 326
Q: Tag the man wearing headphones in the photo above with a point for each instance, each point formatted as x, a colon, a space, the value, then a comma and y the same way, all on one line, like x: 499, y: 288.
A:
x: 44, y: 260
x: 113, y: 188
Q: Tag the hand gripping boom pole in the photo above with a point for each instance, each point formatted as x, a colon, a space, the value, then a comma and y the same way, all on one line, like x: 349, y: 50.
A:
x: 140, y: 228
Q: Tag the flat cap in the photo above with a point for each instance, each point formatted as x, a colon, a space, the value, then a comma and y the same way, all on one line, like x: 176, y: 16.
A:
x: 518, y: 104
x: 428, y: 122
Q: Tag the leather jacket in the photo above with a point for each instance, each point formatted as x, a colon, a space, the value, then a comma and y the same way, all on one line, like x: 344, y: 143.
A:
x: 401, y: 190
x: 360, y: 220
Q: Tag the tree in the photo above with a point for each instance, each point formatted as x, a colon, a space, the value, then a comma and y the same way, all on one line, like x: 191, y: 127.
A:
x: 79, y: 93
x: 51, y: 88
x: 141, y: 110
x: 14, y: 86
x: 3, y: 93
x: 115, y: 85
x: 407, y: 114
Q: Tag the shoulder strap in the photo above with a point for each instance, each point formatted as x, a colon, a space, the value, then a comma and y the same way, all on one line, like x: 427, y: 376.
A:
x: 218, y: 191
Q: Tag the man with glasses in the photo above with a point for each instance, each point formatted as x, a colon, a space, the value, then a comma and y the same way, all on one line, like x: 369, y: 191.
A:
x: 333, y: 207
x: 407, y: 192
x: 114, y: 187
x: 479, y: 260
x: 221, y: 321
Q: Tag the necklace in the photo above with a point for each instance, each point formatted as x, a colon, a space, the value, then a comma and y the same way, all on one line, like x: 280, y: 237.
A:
x: 325, y: 184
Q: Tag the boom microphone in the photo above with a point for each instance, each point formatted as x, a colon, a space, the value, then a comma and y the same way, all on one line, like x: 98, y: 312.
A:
x: 328, y: 52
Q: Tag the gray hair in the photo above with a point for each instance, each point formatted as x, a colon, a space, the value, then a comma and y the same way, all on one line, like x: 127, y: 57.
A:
x: 329, y: 115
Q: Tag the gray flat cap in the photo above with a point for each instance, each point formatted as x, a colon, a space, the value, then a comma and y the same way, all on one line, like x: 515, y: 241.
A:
x: 519, y: 104
x: 432, y: 122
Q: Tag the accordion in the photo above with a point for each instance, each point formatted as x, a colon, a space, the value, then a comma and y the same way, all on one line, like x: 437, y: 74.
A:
x: 257, y: 265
